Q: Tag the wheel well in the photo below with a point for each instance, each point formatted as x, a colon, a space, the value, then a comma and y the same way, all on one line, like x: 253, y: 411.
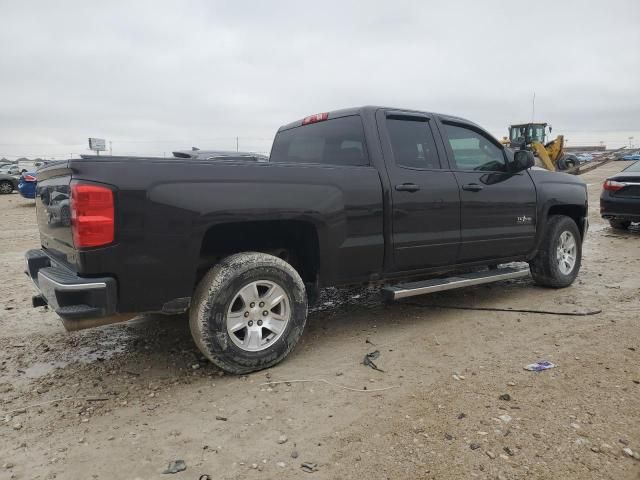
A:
x: 575, y: 212
x: 294, y: 241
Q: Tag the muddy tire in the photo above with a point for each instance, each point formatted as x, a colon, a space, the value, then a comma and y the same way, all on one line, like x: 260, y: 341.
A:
x: 248, y: 312
x: 558, y: 260
x: 619, y: 224
x: 6, y: 187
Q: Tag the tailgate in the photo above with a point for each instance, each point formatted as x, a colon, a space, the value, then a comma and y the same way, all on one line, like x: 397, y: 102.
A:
x: 53, y: 211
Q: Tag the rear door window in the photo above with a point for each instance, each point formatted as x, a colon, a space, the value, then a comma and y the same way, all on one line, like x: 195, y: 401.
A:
x: 412, y: 143
x: 332, y: 142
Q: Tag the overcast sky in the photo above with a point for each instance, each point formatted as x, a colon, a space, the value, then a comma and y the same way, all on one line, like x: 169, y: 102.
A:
x: 163, y: 75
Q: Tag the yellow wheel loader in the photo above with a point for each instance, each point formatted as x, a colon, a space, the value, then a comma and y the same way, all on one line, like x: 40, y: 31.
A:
x: 532, y: 136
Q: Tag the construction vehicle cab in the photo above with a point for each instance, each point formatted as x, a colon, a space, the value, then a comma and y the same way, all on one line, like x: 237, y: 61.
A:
x: 523, y: 134
x: 533, y: 137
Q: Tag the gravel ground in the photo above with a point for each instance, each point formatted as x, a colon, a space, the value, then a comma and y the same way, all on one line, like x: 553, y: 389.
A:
x: 453, y: 402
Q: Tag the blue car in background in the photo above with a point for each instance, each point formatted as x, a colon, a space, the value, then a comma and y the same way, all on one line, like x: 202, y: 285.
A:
x: 632, y: 156
x: 27, y: 185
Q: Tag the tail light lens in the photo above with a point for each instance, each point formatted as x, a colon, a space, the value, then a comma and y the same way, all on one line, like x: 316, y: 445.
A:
x: 613, y: 186
x: 29, y: 178
x: 92, y: 215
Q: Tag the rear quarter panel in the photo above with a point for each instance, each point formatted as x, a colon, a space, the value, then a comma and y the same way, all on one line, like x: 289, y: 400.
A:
x: 164, y: 208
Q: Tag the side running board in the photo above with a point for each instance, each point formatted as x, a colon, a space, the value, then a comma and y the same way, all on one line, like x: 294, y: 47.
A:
x: 411, y: 289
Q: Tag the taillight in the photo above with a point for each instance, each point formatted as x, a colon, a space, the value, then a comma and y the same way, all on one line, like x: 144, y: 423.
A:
x: 613, y: 186
x: 29, y: 178
x: 92, y: 215
x: 318, y: 117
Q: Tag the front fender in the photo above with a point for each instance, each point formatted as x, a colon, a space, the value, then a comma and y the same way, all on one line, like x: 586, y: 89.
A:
x: 559, y: 194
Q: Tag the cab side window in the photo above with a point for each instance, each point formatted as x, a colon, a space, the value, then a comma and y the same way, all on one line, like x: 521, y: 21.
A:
x: 338, y: 141
x: 473, y: 151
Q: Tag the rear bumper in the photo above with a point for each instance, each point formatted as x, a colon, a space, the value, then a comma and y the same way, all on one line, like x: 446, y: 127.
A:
x: 27, y: 190
x: 621, y: 216
x: 72, y: 297
x: 619, y: 208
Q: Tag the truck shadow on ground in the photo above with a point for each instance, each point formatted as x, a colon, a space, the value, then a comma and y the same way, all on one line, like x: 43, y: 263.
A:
x: 158, y: 342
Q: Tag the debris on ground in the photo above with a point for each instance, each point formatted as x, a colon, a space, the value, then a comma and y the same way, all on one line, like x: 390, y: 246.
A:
x: 539, y: 366
x: 282, y: 439
x: 309, y: 467
x: 175, y: 467
x: 631, y: 453
x: 505, y: 396
x: 221, y: 418
x: 369, y: 360
x: 474, y: 446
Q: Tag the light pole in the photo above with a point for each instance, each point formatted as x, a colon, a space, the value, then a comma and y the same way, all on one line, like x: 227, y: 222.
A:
x: 630, y: 142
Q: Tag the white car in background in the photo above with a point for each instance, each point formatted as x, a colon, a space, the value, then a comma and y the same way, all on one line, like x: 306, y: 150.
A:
x: 584, y: 157
x: 10, y: 170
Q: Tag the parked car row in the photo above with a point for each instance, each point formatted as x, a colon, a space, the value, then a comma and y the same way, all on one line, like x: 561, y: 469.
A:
x: 25, y: 184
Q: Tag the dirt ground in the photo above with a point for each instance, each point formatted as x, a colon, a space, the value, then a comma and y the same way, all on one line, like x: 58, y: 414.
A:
x: 122, y: 402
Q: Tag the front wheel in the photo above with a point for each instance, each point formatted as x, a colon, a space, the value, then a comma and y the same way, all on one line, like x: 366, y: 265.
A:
x: 248, y: 312
x: 558, y: 260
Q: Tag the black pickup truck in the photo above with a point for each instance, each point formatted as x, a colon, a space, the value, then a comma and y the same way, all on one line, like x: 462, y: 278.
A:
x: 414, y: 201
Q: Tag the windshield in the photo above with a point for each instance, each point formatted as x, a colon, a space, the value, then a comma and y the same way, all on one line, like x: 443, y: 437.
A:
x: 534, y: 133
x: 517, y: 134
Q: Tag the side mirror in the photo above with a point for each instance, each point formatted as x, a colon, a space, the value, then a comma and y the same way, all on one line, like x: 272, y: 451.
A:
x: 522, y: 159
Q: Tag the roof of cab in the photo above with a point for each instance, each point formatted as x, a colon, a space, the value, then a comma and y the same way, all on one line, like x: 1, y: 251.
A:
x: 344, y: 112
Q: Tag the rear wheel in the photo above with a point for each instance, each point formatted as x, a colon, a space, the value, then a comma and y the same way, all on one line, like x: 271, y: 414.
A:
x: 558, y: 260
x: 6, y: 187
x: 248, y: 312
x: 619, y: 224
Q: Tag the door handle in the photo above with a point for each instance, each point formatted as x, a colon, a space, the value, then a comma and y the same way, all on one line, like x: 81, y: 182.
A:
x: 472, y: 187
x: 407, y: 187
